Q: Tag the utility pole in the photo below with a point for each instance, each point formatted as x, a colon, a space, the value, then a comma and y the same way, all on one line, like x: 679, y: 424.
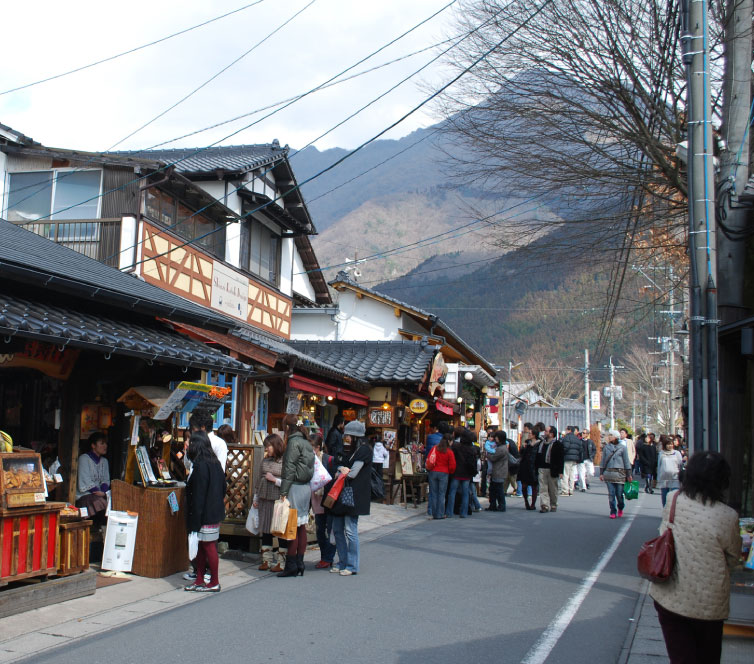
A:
x: 612, y: 368
x: 587, y: 395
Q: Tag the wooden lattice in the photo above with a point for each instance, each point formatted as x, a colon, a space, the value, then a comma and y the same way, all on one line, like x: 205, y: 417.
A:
x: 239, y: 474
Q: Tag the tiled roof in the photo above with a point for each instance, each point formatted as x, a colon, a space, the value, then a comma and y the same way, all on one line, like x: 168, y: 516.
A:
x: 373, y: 361
x: 62, y: 324
x: 240, y: 158
x: 29, y: 258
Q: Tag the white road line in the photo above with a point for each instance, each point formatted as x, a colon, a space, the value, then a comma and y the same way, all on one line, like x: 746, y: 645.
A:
x: 544, y: 645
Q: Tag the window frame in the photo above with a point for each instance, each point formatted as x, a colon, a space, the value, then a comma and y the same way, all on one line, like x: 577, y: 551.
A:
x: 252, y: 222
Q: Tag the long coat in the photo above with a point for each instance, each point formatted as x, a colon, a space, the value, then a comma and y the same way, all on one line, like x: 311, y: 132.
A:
x: 527, y: 473
x: 361, y: 485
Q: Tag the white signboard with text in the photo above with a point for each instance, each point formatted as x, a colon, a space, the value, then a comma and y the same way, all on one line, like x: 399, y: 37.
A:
x: 595, y: 399
x: 230, y: 291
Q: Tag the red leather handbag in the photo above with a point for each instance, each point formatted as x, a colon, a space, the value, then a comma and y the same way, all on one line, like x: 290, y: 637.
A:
x: 334, y: 493
x: 657, y: 556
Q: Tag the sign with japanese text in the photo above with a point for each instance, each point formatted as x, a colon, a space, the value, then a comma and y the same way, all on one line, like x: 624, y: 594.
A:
x: 380, y: 417
x: 230, y: 291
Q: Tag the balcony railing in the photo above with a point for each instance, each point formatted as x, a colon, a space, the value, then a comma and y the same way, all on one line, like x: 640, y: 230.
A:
x: 97, y: 238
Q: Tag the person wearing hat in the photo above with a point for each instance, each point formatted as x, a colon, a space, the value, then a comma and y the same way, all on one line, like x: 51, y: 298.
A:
x: 615, y: 471
x: 345, y: 523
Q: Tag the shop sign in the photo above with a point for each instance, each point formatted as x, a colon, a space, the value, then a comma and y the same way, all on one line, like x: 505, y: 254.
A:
x: 47, y: 358
x: 230, y: 291
x: 418, y: 406
x: 438, y: 374
x: 293, y: 405
x: 380, y: 417
x: 349, y: 414
x: 188, y: 396
x: 444, y: 407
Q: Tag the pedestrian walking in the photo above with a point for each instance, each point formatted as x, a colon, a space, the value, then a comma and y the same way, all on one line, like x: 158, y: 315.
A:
x: 669, y: 465
x: 499, y: 475
x: 527, y: 471
x: 267, y: 486
x: 646, y: 452
x: 630, y: 446
x: 346, y: 517
x: 573, y: 454
x: 466, y: 454
x: 615, y: 472
x: 590, y: 452
x: 441, y: 465
x: 298, y: 468
x: 205, y: 509
x: 693, y: 603
x: 549, y: 463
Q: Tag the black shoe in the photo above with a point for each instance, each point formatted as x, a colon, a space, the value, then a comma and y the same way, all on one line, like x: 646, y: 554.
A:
x: 300, y: 565
x: 291, y: 568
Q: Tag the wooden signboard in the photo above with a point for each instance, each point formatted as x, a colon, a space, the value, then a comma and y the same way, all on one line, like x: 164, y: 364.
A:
x: 380, y: 417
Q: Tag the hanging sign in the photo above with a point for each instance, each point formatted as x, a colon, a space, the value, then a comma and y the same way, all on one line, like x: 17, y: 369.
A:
x: 380, y: 417
x: 418, y: 406
x: 595, y: 399
x: 445, y: 407
x: 47, y: 358
x: 230, y: 291
x: 293, y: 405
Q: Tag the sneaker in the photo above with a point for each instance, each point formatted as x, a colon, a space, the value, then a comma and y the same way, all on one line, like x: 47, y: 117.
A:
x: 190, y: 576
x: 335, y: 570
x: 612, y: 516
x: 207, y: 589
x: 620, y: 513
x: 346, y: 572
x: 542, y: 510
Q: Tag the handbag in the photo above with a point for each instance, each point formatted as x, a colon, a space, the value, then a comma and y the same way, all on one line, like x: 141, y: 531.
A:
x: 252, y: 521
x: 513, y: 464
x: 346, y: 497
x: 321, y: 477
x: 657, y: 556
x: 291, y: 526
x: 334, y: 493
x: 279, y: 521
x: 631, y: 490
x: 431, y: 459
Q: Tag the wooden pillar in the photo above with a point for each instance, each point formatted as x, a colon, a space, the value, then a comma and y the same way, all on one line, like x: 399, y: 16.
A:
x: 69, y: 435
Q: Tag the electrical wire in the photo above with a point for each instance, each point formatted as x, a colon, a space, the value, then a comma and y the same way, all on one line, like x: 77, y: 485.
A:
x: 129, y: 51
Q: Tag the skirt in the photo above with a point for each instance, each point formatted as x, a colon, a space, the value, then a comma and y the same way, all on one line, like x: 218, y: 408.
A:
x: 265, y: 508
x: 300, y: 497
x: 209, y: 533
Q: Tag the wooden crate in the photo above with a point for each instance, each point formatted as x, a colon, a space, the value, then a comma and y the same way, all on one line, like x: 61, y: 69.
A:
x: 29, y: 542
x: 74, y: 547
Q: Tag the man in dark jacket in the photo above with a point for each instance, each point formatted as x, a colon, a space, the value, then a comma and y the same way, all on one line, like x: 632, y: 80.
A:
x: 549, y: 463
x: 573, y: 451
x: 334, y: 440
x: 466, y: 454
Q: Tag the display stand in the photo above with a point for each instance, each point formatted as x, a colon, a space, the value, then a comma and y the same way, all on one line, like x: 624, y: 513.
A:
x: 161, y: 538
x: 74, y: 546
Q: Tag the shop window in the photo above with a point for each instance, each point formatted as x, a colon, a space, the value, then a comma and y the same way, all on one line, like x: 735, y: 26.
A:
x: 263, y: 251
x: 184, y: 222
x: 56, y: 195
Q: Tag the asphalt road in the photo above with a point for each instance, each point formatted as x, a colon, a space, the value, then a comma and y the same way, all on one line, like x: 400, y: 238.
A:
x: 494, y: 587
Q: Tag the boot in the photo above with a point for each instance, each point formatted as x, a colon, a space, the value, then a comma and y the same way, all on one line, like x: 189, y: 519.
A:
x: 300, y: 564
x: 291, y: 568
x: 266, y: 558
x: 280, y: 563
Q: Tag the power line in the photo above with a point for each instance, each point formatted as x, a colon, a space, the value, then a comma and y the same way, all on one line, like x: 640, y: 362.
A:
x: 132, y: 50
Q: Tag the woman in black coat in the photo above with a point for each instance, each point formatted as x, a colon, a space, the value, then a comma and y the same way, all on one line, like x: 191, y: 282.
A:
x: 527, y: 472
x: 345, y: 522
x: 647, y: 455
x: 205, y: 503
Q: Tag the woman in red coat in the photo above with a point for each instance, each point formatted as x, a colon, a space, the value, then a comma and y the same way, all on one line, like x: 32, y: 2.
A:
x: 441, y: 464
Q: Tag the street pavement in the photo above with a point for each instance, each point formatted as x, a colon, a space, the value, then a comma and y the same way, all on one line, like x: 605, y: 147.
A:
x: 514, y: 587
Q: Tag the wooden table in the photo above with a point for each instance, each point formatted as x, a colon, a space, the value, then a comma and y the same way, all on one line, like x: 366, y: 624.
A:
x: 28, y: 541
x: 161, y: 539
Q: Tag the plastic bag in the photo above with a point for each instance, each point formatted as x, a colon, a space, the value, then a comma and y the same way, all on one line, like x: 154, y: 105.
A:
x: 320, y: 477
x: 193, y: 545
x: 252, y: 521
x: 631, y: 490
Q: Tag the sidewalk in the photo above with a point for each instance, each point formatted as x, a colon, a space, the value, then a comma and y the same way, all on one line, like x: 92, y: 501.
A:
x: 35, y: 631
x: 645, y: 645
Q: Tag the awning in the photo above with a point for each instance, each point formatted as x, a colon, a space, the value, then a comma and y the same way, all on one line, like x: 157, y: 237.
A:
x: 305, y: 384
x: 65, y: 326
x: 444, y: 407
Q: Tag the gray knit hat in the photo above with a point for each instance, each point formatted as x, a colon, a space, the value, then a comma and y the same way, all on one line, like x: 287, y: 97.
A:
x: 355, y: 428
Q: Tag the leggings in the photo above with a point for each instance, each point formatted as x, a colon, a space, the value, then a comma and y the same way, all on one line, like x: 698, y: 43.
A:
x: 297, y: 546
x: 207, y: 558
x: 534, y: 492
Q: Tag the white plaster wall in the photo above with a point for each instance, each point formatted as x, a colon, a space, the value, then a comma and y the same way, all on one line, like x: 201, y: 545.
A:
x: 313, y: 327
x: 3, y: 180
x: 301, y: 283
x: 287, y: 250
x: 366, y: 320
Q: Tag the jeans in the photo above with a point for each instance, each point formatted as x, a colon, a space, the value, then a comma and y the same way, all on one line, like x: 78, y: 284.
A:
x: 455, y: 486
x: 664, y: 494
x: 324, y: 528
x: 497, y: 496
x: 519, y: 488
x: 346, y: 529
x: 438, y: 487
x: 472, y: 497
x: 615, y: 492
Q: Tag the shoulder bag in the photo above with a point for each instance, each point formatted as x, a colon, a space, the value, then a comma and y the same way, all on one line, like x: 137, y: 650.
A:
x: 613, y: 474
x: 657, y: 556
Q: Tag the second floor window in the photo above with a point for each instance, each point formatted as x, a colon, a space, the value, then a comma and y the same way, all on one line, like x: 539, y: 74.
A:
x: 53, y: 195
x: 202, y: 231
x: 262, y: 245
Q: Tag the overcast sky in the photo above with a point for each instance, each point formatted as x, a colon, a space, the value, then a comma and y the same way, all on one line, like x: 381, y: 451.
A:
x: 97, y: 108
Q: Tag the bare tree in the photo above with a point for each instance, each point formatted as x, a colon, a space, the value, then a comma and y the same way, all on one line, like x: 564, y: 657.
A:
x: 646, y: 391
x: 554, y: 381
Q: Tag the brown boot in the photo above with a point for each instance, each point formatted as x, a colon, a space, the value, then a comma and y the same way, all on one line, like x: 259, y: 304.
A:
x: 277, y: 568
x: 267, y: 558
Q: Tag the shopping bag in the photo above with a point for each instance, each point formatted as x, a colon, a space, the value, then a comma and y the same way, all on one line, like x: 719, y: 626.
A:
x: 291, y: 526
x: 346, y: 497
x: 334, y: 493
x: 252, y: 521
x: 193, y: 545
x: 279, y: 522
x: 631, y: 490
x: 657, y: 556
x: 320, y: 477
